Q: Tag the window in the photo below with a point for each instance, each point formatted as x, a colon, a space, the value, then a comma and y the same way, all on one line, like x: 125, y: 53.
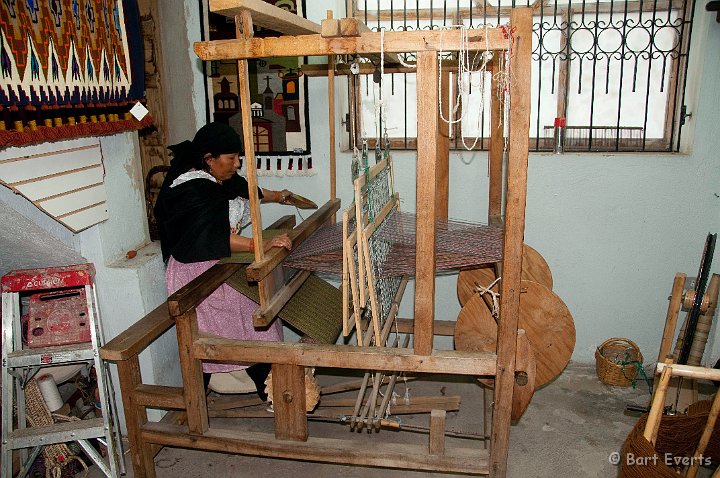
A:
x: 614, y: 69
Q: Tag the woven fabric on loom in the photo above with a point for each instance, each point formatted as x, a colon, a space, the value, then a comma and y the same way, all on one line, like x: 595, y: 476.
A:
x: 458, y: 245
x: 315, y: 309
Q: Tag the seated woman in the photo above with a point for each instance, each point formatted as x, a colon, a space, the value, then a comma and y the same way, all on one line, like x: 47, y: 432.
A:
x: 201, y: 209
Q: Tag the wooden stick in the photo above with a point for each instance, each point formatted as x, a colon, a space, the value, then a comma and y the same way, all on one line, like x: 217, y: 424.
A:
x: 495, y: 152
x: 705, y: 438
x: 344, y: 451
x: 442, y: 173
x: 704, y: 323
x: 191, y: 367
x: 259, y: 269
x: 691, y: 371
x: 344, y: 356
x: 658, y: 403
x: 135, y: 418
x: 263, y: 316
x: 244, y: 31
x: 316, y: 45
x: 520, y: 72
x: 192, y: 294
x: 672, y: 316
x: 346, y: 260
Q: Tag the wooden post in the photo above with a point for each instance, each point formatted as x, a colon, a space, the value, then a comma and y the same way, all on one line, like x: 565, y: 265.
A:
x: 705, y: 438
x: 244, y: 29
x: 289, y: 402
x: 658, y: 403
x: 495, y: 147
x: 427, y: 132
x: 331, y: 122
x: 193, y: 383
x: 135, y: 417
x: 704, y: 323
x: 442, y: 175
x: 437, y: 432
x: 520, y: 71
x: 672, y: 316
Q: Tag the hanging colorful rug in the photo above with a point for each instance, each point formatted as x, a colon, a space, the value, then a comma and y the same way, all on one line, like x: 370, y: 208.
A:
x: 69, y: 68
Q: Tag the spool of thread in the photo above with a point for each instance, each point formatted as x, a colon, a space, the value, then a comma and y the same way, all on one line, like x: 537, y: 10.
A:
x: 50, y: 392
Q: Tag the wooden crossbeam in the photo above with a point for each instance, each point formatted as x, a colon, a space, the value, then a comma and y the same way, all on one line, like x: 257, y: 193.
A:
x: 333, y: 450
x: 352, y: 27
x: 344, y: 356
x: 258, y: 270
x: 267, y: 16
x: 316, y: 45
x: 343, y: 69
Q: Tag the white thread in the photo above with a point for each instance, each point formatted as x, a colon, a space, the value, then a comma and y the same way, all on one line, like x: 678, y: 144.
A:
x: 464, y: 81
x: 50, y: 392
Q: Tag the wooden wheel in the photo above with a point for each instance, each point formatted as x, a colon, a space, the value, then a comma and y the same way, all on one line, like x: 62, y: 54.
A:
x: 544, y: 317
x: 534, y: 268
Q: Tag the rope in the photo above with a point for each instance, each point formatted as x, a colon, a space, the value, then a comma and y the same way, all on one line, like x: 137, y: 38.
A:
x: 466, y: 68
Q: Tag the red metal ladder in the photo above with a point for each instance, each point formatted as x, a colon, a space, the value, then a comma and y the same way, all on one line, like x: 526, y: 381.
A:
x: 20, y: 364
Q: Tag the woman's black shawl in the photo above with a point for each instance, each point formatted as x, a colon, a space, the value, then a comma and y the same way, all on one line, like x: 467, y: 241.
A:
x: 193, y: 221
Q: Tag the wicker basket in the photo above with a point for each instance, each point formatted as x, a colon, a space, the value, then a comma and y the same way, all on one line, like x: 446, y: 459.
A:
x: 616, y: 361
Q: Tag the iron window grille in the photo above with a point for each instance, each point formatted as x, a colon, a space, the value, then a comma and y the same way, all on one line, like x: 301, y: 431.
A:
x: 615, y: 69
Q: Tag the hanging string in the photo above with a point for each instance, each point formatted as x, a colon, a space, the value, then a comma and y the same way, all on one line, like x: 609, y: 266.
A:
x: 464, y: 82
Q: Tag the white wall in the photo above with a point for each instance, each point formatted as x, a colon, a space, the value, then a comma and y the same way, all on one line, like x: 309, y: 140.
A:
x: 181, y: 74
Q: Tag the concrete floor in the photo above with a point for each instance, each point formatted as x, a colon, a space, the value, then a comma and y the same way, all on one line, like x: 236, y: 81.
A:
x: 571, y: 428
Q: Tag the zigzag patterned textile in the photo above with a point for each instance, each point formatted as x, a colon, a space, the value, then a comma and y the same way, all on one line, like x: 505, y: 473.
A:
x: 66, y: 67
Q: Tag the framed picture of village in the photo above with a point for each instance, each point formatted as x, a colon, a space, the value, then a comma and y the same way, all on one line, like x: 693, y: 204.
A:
x: 278, y: 92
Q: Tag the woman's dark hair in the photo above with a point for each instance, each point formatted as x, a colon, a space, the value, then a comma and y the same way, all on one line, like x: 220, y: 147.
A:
x: 214, y: 138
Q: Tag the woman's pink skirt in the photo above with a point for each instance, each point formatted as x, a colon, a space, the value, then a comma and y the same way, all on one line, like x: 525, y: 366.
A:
x: 225, y: 313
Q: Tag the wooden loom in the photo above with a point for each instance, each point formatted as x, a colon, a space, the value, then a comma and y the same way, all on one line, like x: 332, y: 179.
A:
x: 190, y: 428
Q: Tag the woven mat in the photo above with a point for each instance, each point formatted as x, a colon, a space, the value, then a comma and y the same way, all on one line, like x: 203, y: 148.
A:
x: 315, y: 309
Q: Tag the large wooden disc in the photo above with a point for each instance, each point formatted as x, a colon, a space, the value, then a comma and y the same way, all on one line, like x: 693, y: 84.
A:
x: 544, y: 317
x: 484, y: 339
x: 534, y: 268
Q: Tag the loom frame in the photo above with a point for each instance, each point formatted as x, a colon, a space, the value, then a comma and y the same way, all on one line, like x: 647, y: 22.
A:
x: 190, y: 427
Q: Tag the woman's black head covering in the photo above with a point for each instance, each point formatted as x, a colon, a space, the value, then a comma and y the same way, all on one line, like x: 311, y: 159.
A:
x: 214, y: 138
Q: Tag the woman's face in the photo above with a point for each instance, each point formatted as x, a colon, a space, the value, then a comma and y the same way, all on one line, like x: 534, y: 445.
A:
x: 224, y: 166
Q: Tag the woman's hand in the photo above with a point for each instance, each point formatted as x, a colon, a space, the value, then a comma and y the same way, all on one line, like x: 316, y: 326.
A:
x: 278, y: 241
